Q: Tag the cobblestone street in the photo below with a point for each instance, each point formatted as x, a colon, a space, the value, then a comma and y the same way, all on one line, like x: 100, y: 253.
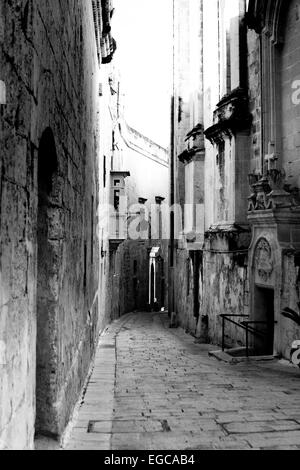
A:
x: 154, y: 388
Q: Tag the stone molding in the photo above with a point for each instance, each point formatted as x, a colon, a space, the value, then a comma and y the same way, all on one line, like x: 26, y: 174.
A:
x: 193, y: 154
x: 265, y: 17
x: 231, y: 116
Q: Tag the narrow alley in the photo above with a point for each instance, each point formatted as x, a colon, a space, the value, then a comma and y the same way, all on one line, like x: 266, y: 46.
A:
x: 149, y: 224
x: 153, y: 387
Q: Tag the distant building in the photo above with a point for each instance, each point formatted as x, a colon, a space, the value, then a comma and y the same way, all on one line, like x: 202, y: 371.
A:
x: 133, y: 226
x: 235, y: 172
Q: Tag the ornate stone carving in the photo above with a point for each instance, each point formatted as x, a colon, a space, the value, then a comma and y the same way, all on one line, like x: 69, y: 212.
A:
x: 253, y: 180
x: 263, y: 260
x: 259, y: 199
x: 269, y: 192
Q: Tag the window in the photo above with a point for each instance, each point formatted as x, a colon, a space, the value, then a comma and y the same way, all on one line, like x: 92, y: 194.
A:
x: 104, y: 171
x: 180, y: 104
x: 116, y: 199
x: 113, y: 141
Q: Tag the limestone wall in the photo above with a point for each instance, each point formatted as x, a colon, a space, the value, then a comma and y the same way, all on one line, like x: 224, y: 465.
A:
x: 224, y: 293
x: 184, y: 294
x: 49, y: 64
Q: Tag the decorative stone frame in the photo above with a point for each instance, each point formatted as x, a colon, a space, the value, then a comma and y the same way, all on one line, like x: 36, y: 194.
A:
x: 264, y: 230
x: 279, y: 228
x: 265, y: 17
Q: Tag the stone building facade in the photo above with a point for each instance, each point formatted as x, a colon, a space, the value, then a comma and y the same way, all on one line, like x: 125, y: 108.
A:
x: 50, y: 56
x: 235, y: 166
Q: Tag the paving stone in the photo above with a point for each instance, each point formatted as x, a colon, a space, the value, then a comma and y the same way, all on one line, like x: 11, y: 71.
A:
x: 261, y: 426
x: 274, y: 439
x: 161, y: 391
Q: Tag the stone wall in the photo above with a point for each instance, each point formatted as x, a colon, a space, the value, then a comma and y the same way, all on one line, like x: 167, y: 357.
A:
x: 289, y: 331
x: 48, y: 61
x: 219, y: 285
x: 223, y: 288
x: 289, y: 66
x: 224, y: 292
x: 254, y: 74
x: 184, y: 293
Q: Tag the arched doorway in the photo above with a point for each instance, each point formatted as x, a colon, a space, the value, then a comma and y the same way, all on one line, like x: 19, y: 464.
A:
x: 264, y: 278
x: 47, y: 269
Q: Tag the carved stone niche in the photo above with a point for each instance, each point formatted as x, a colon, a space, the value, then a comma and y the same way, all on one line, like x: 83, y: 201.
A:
x: 264, y: 264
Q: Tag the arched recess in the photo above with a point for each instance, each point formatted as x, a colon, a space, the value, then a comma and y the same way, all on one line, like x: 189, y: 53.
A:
x: 47, y: 301
x: 266, y: 16
x: 289, y: 73
x: 278, y: 24
x: 268, y: 19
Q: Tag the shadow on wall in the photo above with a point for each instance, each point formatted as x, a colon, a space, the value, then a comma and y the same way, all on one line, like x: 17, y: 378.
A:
x: 47, y: 300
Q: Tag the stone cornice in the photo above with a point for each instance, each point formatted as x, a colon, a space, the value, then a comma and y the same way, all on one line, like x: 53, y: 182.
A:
x: 196, y: 146
x: 231, y: 116
x: 196, y: 131
x: 228, y: 228
x: 122, y: 173
x: 283, y: 216
x: 143, y: 145
x: 193, y: 154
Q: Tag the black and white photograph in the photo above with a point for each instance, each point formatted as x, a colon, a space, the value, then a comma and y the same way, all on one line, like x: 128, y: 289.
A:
x: 150, y: 228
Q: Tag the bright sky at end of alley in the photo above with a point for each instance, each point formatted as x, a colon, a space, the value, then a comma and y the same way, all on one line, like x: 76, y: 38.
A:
x: 143, y: 30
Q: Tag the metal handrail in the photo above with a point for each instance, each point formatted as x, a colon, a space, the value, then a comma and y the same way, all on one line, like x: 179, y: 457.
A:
x: 228, y: 318
x: 255, y: 331
x: 245, y: 326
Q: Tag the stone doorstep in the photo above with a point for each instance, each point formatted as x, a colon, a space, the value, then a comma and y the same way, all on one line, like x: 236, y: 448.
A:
x: 272, y: 439
x: 225, y: 357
